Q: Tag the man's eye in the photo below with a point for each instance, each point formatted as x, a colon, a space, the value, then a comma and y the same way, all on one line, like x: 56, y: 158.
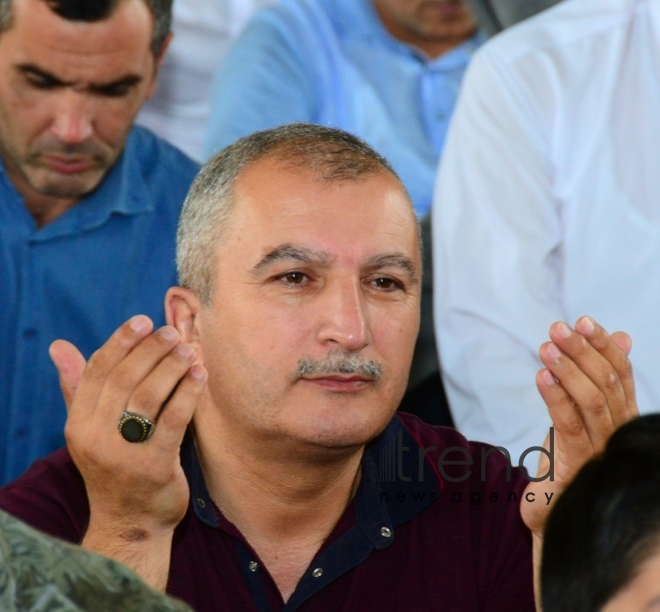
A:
x: 115, y: 91
x: 42, y: 83
x: 294, y: 278
x: 386, y: 284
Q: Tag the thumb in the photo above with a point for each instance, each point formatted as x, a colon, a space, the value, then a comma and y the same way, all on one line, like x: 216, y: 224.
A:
x: 70, y: 365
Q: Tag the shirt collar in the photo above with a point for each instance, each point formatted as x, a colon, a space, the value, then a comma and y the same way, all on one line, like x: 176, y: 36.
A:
x: 398, y: 481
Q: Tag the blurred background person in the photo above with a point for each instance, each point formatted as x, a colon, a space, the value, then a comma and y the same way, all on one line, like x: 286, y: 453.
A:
x: 546, y: 207
x: 89, y: 203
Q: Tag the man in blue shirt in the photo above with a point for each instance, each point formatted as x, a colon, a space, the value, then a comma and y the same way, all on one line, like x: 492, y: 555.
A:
x: 88, y: 204
x: 387, y: 71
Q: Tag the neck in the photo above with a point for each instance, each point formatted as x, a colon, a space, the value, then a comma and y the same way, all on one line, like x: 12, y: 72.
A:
x: 284, y: 502
x: 45, y: 210
x: 433, y: 49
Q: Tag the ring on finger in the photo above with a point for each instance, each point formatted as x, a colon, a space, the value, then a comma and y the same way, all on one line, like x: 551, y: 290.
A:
x: 134, y: 427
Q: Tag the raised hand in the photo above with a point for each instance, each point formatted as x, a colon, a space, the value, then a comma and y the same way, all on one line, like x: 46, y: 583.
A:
x: 137, y: 492
x: 588, y: 387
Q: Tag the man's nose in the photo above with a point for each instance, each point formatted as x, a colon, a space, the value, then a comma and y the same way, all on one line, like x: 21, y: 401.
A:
x: 344, y: 320
x: 72, y: 122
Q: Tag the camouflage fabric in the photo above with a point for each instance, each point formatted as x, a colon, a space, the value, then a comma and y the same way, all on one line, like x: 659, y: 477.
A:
x: 40, y: 573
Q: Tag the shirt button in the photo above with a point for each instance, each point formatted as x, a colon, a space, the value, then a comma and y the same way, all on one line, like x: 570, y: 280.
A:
x: 29, y: 333
x: 201, y: 503
x: 386, y: 532
x: 254, y: 566
x: 318, y: 572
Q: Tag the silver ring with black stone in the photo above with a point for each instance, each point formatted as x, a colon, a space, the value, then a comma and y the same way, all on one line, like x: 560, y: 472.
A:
x: 135, y: 428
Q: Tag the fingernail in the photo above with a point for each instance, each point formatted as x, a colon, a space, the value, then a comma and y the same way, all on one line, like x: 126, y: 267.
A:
x: 185, y: 350
x: 138, y: 323
x: 548, y: 378
x: 553, y: 352
x: 169, y: 333
x: 563, y: 330
x: 588, y: 325
x: 198, y: 372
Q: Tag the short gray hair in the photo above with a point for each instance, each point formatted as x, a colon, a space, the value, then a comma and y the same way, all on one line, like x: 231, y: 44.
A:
x: 97, y: 10
x: 331, y: 154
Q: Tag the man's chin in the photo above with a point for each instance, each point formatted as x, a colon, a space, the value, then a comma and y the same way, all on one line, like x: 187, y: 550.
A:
x: 69, y: 186
x: 343, y: 432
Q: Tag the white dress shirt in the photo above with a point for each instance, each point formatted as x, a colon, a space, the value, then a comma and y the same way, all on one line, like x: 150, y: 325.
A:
x: 547, y: 207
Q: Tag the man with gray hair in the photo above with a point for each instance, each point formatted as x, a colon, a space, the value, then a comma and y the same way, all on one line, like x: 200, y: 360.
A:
x: 286, y: 354
x: 88, y: 203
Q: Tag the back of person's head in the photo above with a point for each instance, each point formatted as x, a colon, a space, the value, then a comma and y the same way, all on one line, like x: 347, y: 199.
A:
x: 606, y: 525
x: 97, y: 10
x: 331, y: 155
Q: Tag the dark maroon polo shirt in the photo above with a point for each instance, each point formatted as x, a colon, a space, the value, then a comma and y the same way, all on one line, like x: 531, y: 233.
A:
x: 431, y: 527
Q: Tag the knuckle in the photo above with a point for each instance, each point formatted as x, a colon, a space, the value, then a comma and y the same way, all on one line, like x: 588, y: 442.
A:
x: 69, y: 433
x: 625, y: 370
x: 122, y: 379
x: 143, y: 401
x: 599, y: 340
x: 580, y: 346
x: 173, y: 418
x: 573, y: 427
x: 611, y: 382
x: 596, y: 403
x: 97, y: 364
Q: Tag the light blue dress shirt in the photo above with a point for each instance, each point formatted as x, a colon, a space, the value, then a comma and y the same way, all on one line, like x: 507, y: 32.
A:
x: 332, y: 62
x: 106, y: 259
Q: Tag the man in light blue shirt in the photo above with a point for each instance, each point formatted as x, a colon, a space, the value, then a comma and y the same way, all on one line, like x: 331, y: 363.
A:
x: 388, y: 71
x: 88, y: 205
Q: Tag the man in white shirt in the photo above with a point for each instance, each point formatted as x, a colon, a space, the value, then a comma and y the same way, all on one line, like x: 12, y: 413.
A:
x: 546, y: 207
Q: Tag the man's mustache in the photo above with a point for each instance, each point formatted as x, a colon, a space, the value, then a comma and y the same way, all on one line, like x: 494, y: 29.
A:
x: 338, y: 362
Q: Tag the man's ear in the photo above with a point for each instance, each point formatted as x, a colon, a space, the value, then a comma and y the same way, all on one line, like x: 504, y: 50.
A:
x: 157, y: 65
x: 182, y: 309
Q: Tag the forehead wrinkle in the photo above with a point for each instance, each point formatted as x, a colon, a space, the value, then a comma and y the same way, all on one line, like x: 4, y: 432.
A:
x: 291, y: 253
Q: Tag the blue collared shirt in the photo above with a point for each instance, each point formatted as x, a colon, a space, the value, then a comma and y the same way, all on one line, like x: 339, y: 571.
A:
x: 109, y: 257
x: 333, y: 63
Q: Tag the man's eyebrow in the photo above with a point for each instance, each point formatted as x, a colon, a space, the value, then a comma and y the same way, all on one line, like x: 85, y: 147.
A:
x: 394, y: 260
x: 126, y: 81
x: 291, y: 253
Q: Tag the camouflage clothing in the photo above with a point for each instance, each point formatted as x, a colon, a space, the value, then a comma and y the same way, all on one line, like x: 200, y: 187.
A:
x: 40, y: 573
